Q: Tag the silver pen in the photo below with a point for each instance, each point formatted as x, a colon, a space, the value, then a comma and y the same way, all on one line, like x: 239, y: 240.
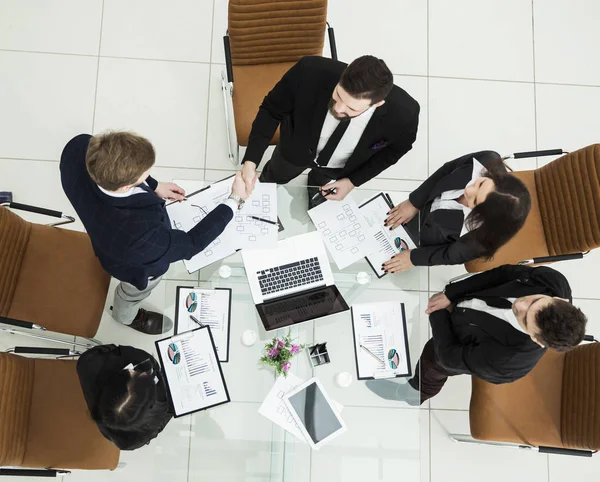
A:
x: 372, y: 354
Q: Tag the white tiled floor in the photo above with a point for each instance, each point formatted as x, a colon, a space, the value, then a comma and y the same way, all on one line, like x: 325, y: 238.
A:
x: 72, y: 66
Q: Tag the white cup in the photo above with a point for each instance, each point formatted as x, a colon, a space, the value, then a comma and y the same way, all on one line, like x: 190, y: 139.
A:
x: 343, y: 379
x: 249, y: 337
x: 225, y: 271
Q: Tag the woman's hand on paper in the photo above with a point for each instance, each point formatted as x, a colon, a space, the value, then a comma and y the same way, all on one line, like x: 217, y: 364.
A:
x: 401, y: 214
x: 399, y: 262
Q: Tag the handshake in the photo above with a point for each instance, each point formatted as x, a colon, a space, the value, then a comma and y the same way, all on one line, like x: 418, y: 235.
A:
x: 245, y: 180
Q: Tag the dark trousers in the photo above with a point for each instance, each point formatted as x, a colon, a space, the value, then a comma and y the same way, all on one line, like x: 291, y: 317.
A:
x: 280, y: 171
x: 430, y: 376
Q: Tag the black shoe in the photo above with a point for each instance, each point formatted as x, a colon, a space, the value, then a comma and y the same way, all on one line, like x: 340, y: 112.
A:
x: 151, y: 322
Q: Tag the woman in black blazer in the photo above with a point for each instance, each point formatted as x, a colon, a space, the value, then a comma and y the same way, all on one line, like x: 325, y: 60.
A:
x: 126, y: 394
x: 469, y: 208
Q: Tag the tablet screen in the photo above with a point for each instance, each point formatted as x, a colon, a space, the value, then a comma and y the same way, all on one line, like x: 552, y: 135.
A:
x: 315, y: 413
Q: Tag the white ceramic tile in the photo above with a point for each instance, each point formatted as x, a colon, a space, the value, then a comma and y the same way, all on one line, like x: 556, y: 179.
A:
x: 229, y: 443
x: 65, y: 26
x: 37, y: 183
x: 413, y: 165
x: 440, y: 276
x: 46, y: 100
x: 566, y: 41
x: 379, y: 445
x: 582, y: 274
x: 566, y: 117
x: 481, y: 40
x: 176, y: 30
x: 163, y: 101
x: 393, y: 30
x: 165, y: 458
x: 452, y: 462
x: 470, y: 115
x: 565, y: 468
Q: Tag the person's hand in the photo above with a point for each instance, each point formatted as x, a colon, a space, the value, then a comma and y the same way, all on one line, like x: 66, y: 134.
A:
x: 437, y: 302
x: 170, y: 191
x: 239, y: 187
x: 401, y: 214
x: 249, y: 175
x: 399, y: 262
x: 342, y: 188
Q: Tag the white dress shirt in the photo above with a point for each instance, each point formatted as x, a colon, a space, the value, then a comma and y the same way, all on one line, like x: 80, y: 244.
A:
x: 448, y: 199
x: 505, y: 314
x: 349, y: 140
x: 138, y: 190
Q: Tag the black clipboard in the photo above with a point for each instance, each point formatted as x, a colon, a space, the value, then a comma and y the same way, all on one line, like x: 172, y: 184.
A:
x: 226, y: 360
x: 176, y: 338
x: 408, y: 363
x: 410, y: 227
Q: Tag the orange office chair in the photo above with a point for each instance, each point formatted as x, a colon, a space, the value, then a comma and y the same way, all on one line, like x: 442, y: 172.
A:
x: 265, y: 38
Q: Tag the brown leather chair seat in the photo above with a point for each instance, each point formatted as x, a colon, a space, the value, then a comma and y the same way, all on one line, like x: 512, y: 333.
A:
x: 251, y: 84
x: 50, y: 277
x: 44, y: 419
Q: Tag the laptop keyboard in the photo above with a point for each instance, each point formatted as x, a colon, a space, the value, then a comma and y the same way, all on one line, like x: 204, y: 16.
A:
x: 290, y: 276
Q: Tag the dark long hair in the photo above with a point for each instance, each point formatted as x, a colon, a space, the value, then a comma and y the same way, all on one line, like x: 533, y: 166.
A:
x: 493, y: 222
x: 125, y: 401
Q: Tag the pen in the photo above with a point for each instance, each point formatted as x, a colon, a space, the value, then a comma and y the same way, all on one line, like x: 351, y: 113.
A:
x: 195, y: 320
x: 324, y: 193
x: 372, y: 354
x: 264, y: 220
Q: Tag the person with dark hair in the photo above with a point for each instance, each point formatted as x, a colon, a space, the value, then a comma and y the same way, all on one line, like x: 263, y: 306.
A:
x: 125, y: 392
x: 469, y: 208
x: 495, y: 325
x: 347, y: 123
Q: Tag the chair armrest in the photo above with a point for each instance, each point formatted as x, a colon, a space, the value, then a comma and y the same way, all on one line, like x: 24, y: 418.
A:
x: 32, y: 472
x: 39, y: 350
x: 590, y: 338
x: 21, y: 324
x: 552, y: 259
x: 548, y: 152
x: 332, y: 45
x: 561, y: 451
x: 43, y: 211
x: 228, y: 64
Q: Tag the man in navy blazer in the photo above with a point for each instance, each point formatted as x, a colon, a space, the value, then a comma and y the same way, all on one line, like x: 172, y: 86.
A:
x: 106, y: 178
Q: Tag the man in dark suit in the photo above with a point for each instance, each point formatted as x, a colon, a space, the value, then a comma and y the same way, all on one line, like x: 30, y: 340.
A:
x: 347, y: 123
x: 495, y: 325
x: 107, y: 179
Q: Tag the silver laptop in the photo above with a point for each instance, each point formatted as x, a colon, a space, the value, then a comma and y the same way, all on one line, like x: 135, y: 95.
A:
x: 293, y: 282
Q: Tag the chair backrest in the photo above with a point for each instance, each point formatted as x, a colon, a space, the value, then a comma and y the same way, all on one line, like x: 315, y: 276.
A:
x: 16, y: 388
x: 265, y: 32
x: 568, y: 190
x: 14, y: 237
x: 580, y: 407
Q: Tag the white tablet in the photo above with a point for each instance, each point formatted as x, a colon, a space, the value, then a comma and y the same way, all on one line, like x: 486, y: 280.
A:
x: 314, y: 413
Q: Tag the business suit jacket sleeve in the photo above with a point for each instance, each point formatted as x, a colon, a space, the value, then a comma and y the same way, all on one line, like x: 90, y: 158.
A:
x: 461, y: 251
x: 152, y: 183
x: 472, y: 358
x: 419, y: 196
x: 485, y: 280
x: 390, y: 154
x: 275, y: 106
x: 173, y: 245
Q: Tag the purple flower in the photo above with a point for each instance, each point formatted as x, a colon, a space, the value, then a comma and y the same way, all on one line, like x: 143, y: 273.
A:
x: 280, y: 344
x: 286, y: 366
x: 295, y: 349
x: 273, y: 352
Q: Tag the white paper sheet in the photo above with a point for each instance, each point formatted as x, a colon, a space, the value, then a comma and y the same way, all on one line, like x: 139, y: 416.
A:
x: 209, y: 307
x: 380, y: 328
x: 192, y: 371
x: 275, y: 409
x: 345, y: 231
x: 242, y: 232
x: 389, y: 242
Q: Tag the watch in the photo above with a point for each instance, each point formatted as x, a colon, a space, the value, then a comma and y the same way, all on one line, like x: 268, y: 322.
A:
x: 237, y: 199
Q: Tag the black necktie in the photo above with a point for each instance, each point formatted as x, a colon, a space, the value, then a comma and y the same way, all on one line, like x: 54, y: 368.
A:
x: 496, y: 301
x: 332, y: 143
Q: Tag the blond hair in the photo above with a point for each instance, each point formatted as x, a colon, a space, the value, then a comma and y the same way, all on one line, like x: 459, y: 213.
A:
x: 117, y: 159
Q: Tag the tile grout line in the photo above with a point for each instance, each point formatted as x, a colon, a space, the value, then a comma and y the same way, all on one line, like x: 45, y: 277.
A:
x: 535, y: 116
x: 210, y: 78
x: 97, y: 68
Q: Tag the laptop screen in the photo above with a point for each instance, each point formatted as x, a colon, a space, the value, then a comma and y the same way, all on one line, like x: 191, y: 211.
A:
x: 305, y: 306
